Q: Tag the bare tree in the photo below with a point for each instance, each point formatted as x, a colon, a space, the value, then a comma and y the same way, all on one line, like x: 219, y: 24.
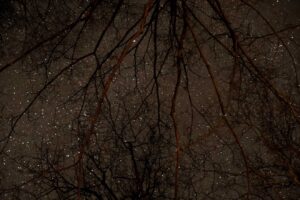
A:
x: 156, y: 99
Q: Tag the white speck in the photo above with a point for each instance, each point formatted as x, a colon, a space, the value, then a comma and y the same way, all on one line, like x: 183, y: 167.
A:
x: 84, y: 113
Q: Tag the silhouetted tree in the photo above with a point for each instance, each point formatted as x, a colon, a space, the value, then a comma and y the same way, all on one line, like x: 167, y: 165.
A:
x: 156, y: 99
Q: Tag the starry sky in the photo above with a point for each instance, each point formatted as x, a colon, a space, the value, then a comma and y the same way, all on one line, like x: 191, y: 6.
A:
x: 149, y: 99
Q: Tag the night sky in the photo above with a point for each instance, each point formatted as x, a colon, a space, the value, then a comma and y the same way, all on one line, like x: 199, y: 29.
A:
x: 162, y: 99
